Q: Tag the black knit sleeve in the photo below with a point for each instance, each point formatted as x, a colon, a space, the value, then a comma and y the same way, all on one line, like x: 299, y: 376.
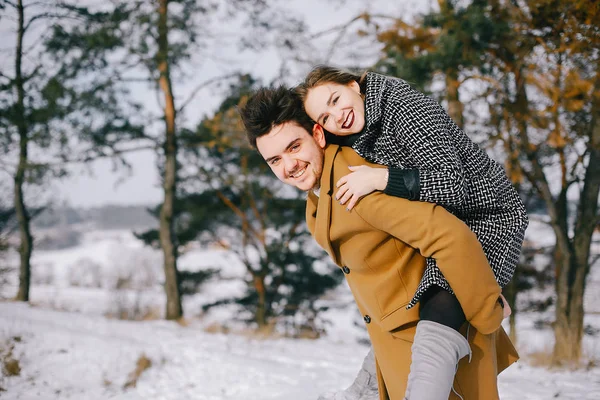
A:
x: 403, y: 183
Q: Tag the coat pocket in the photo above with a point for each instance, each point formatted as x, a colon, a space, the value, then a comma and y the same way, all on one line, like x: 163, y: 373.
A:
x: 389, y: 288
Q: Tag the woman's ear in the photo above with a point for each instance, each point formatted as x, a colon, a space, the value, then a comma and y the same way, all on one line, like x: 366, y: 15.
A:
x: 354, y: 86
x: 319, y: 135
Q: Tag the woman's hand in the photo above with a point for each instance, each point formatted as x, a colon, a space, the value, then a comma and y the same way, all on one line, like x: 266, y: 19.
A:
x: 360, y: 182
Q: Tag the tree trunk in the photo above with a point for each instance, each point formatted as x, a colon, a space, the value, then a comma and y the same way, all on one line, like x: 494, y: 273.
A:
x: 569, y: 305
x: 568, y: 327
x: 166, y: 234
x: 511, y: 290
x: 575, y: 266
x: 26, y: 246
x: 455, y: 107
x: 261, y: 305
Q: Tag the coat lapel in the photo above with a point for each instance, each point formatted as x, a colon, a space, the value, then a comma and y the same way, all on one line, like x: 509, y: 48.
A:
x: 318, y: 209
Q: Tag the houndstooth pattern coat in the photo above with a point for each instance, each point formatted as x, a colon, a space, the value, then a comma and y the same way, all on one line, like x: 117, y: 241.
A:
x: 406, y: 129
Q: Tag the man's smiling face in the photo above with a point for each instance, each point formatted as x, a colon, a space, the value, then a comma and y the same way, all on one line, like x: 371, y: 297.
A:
x: 295, y: 156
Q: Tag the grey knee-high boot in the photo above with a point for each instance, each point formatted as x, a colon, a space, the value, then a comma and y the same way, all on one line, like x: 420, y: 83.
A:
x: 364, y: 386
x: 435, y: 354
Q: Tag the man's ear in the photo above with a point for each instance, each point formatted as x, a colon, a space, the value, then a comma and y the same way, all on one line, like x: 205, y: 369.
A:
x: 319, y: 135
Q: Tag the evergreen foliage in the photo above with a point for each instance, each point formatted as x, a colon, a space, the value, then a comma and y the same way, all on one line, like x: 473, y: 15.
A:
x: 230, y: 197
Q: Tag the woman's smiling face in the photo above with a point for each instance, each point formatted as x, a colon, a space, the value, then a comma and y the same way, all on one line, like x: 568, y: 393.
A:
x: 340, y: 109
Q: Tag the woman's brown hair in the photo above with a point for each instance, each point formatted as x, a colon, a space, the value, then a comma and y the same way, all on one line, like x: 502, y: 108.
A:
x: 322, y: 74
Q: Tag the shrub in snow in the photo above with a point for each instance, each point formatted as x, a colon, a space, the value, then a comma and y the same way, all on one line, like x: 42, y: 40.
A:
x: 132, y: 275
x: 9, y: 363
x: 135, y: 305
x: 137, y: 269
x: 85, y: 272
x: 142, y: 364
x: 42, y: 273
x: 9, y: 275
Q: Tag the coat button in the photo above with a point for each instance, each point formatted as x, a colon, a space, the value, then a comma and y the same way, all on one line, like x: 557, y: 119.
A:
x: 346, y: 269
x: 367, y: 319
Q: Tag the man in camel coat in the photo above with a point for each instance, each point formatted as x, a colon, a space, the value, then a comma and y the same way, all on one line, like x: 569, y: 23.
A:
x: 381, y: 246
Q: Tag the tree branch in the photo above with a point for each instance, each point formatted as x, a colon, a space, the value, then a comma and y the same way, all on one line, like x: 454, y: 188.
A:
x: 32, y: 74
x: 494, y: 82
x: 594, y: 260
x: 7, y: 77
x: 537, y: 177
x: 579, y: 161
x: 135, y: 80
x: 364, y: 16
x: 343, y: 26
x: 41, y: 16
x: 237, y: 211
x: 203, y: 85
x: 35, y: 3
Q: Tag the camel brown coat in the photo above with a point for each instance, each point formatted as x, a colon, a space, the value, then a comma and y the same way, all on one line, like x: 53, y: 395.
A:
x: 381, y: 246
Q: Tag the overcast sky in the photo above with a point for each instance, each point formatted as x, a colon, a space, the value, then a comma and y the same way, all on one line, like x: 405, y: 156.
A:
x: 104, y: 185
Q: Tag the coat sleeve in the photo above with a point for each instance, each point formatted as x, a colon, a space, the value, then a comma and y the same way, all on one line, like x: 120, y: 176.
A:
x: 423, y: 129
x: 436, y: 233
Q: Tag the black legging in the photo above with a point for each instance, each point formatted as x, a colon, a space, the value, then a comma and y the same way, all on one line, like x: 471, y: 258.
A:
x: 439, y: 306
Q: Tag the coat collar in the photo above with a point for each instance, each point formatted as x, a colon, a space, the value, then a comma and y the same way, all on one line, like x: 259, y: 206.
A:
x: 374, y: 96
x: 318, y: 209
x: 375, y: 99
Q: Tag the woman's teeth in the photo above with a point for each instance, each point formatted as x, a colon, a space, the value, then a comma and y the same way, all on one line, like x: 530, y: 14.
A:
x: 349, y: 120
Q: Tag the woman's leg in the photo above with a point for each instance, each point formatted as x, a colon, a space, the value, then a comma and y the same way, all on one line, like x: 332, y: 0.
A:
x: 437, y: 347
x: 440, y: 306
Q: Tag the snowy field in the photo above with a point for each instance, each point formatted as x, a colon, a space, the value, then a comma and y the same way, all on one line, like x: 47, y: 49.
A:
x: 69, y: 346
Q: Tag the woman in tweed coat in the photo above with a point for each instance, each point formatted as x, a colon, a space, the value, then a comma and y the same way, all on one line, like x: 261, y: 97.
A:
x: 429, y: 158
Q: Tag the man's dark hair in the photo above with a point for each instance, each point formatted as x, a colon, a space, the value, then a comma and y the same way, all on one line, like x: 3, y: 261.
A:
x: 268, y: 108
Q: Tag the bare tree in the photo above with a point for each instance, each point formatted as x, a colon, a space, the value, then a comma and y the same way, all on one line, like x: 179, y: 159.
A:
x: 43, y: 100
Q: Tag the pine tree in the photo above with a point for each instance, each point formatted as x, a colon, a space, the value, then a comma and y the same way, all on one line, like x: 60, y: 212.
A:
x: 568, y: 76
x: 452, y: 42
x: 230, y: 197
x: 53, y: 107
x: 159, y: 39
x: 544, y: 91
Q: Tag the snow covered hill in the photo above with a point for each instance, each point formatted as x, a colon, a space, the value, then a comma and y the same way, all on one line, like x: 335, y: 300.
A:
x: 66, y: 355
x: 68, y: 347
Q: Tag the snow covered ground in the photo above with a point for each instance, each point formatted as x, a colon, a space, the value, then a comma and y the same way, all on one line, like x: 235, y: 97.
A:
x: 66, y: 355
x: 68, y: 348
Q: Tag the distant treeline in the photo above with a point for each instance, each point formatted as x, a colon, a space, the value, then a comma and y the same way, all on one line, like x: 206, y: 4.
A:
x: 104, y: 217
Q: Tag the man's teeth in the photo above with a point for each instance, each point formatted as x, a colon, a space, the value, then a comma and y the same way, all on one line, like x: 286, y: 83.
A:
x: 299, y: 173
